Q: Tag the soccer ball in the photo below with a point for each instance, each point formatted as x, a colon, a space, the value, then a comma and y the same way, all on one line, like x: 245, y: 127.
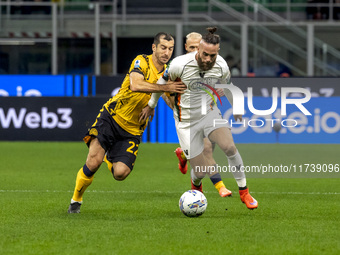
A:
x: 193, y: 203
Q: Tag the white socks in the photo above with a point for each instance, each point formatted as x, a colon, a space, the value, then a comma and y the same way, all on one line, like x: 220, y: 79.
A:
x: 195, y: 180
x: 236, y: 166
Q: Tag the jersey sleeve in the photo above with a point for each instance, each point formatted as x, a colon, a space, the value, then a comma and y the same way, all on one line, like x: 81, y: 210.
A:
x: 226, y: 75
x: 140, y: 65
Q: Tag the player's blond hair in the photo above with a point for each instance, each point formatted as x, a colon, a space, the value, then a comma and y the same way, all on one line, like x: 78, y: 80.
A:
x: 193, y: 35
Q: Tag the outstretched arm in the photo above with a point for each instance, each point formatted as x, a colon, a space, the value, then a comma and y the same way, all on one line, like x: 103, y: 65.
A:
x: 148, y: 111
x: 138, y: 84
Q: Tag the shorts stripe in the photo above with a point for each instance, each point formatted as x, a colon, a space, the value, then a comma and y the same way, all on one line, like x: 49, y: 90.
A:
x: 178, y: 107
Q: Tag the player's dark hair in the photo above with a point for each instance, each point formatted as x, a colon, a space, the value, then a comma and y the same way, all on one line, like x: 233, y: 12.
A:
x: 162, y: 35
x: 211, y: 37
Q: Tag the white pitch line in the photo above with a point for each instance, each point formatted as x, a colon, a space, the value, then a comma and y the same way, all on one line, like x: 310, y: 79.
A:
x: 160, y: 192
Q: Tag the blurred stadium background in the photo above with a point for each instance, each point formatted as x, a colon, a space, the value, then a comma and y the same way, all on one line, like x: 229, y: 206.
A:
x: 83, y: 49
x: 265, y: 37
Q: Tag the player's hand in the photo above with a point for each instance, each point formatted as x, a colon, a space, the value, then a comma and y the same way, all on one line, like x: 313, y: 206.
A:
x: 238, y: 117
x: 169, y: 100
x: 220, y: 92
x: 175, y: 87
x: 146, y: 113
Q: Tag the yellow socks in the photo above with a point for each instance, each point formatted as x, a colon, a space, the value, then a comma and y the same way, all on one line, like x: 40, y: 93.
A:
x: 216, y: 179
x: 82, y: 182
x: 219, y: 185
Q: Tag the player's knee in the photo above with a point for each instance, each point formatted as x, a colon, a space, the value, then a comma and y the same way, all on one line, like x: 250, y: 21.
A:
x: 230, y: 150
x: 119, y: 176
x: 120, y: 173
x: 93, y: 163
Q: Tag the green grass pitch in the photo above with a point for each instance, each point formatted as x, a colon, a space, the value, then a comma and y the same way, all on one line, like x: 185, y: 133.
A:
x: 141, y: 216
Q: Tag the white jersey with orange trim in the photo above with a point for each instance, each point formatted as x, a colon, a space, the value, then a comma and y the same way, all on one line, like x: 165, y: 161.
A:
x: 200, y: 96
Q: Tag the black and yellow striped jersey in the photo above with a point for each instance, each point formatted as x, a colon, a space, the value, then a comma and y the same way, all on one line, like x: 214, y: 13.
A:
x: 126, y: 106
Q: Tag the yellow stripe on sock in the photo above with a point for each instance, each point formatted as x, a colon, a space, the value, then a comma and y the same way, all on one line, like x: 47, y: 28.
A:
x: 219, y: 185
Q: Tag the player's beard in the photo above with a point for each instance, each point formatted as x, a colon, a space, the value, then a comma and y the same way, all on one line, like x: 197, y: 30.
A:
x: 204, y: 66
x: 161, y: 59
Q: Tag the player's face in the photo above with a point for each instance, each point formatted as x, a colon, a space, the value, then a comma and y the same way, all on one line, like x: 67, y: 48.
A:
x: 192, y: 44
x: 206, y: 56
x: 163, y: 51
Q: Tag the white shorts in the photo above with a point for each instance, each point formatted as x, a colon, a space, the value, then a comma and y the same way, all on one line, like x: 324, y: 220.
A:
x: 191, y: 133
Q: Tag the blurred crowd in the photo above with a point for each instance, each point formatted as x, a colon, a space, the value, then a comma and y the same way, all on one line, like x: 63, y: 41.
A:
x: 320, y: 10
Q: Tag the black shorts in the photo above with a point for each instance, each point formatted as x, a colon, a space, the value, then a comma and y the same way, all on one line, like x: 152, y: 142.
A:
x: 120, y: 145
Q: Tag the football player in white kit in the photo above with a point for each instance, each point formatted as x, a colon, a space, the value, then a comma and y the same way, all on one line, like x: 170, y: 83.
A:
x: 192, y: 42
x: 195, y: 111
